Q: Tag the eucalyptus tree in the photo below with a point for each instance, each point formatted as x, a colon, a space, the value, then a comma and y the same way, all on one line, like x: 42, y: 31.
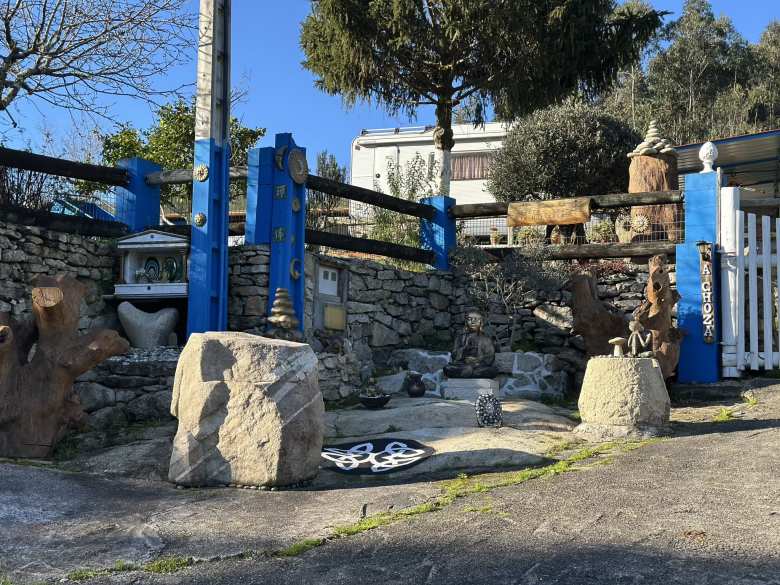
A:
x: 517, y: 55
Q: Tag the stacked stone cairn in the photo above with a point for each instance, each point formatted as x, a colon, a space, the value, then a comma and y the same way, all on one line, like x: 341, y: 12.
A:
x: 284, y: 324
x: 653, y: 144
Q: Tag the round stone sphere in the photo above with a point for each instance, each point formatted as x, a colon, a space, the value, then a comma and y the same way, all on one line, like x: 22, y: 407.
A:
x: 623, y: 398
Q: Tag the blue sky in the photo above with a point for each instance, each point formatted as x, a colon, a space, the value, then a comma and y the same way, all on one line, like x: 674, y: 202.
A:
x: 282, y: 96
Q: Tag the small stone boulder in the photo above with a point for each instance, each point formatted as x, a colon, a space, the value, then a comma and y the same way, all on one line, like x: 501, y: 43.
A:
x: 250, y: 412
x: 623, y: 398
x: 147, y: 330
x: 421, y: 361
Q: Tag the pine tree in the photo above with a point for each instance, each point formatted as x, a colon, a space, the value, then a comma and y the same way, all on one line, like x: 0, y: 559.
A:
x: 517, y: 55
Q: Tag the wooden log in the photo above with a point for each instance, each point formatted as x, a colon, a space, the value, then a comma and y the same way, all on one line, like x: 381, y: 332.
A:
x: 371, y: 197
x: 655, y: 314
x: 655, y: 173
x: 611, y: 201
x: 575, y: 210
x: 366, y: 246
x: 592, y: 320
x: 59, y: 167
x: 37, y: 401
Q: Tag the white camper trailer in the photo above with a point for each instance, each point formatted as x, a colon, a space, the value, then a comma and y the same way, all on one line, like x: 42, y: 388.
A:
x: 374, y: 150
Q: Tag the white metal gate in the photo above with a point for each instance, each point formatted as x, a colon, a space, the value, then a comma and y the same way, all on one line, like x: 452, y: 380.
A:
x: 750, y: 265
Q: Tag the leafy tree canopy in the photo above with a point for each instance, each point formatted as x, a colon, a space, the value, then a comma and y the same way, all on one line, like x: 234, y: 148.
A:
x: 702, y: 80
x: 170, y: 142
x: 563, y: 151
x: 518, y: 55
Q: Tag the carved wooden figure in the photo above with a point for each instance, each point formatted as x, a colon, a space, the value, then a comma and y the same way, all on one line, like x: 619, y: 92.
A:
x: 37, y: 400
x: 592, y: 319
x: 655, y: 314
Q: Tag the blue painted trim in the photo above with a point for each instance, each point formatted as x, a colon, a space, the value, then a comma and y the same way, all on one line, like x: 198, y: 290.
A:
x: 207, y: 308
x: 287, y: 230
x: 698, y: 360
x: 438, y: 234
x: 138, y: 204
x: 259, y: 192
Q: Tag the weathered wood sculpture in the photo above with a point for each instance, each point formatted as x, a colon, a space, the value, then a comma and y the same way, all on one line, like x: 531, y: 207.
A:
x: 654, y: 168
x: 655, y: 314
x: 37, y: 400
x: 592, y: 319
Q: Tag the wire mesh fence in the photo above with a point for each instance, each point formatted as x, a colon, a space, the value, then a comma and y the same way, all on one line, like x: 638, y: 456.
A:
x: 647, y: 223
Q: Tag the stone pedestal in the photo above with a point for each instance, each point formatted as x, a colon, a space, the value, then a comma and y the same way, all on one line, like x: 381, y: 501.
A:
x: 468, y: 388
x: 623, y: 398
x: 250, y: 412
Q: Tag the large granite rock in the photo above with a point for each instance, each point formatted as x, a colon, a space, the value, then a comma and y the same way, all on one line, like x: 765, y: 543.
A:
x: 623, y: 397
x: 250, y: 412
x: 147, y: 330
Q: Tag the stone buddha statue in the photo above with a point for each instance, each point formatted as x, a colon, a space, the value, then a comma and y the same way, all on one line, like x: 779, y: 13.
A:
x: 474, y: 352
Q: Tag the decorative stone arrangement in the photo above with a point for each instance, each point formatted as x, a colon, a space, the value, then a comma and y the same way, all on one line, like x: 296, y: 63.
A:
x: 148, y: 330
x: 653, y: 144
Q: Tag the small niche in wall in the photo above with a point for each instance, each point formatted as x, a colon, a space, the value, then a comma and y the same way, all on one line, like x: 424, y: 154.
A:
x: 330, y: 311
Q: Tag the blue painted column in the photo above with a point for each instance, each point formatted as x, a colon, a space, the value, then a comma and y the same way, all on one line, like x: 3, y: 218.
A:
x: 438, y: 234
x: 699, y: 361
x: 276, y: 215
x: 207, y: 309
x: 138, y: 204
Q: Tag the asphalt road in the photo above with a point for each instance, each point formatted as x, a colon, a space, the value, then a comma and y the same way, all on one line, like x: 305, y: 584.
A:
x: 700, y: 508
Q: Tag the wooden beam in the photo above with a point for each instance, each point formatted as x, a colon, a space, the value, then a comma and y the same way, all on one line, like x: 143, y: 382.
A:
x: 59, y: 167
x: 182, y: 176
x: 71, y: 224
x: 599, y: 202
x: 596, y: 251
x: 371, y: 197
x: 367, y: 246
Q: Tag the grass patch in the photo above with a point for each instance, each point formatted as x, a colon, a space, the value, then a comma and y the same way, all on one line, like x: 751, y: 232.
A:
x: 167, y: 565
x: 575, y: 416
x: 300, y: 547
x: 750, y: 399
x: 5, y: 580
x: 724, y: 415
x: 559, y: 448
x: 86, y: 574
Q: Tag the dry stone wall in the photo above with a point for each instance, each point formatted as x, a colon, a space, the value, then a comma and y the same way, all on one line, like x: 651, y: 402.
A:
x: 26, y: 252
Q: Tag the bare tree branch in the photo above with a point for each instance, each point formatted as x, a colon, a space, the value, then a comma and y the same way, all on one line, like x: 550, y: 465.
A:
x: 70, y: 52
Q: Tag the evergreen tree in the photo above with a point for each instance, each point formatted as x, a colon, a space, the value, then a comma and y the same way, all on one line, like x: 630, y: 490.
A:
x: 518, y: 55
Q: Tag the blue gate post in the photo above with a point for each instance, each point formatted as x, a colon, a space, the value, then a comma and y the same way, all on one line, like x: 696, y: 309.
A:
x: 138, y: 204
x: 276, y: 215
x: 438, y: 234
x: 208, y: 294
x: 699, y: 358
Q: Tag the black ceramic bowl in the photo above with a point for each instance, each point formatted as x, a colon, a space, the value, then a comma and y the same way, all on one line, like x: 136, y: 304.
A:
x: 375, y: 402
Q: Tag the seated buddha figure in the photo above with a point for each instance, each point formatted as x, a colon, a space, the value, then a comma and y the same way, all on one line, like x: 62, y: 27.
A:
x: 474, y: 352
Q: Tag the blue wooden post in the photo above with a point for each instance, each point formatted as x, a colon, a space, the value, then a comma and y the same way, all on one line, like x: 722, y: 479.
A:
x: 439, y: 234
x: 207, y: 309
x: 699, y: 361
x: 138, y: 204
x: 276, y: 215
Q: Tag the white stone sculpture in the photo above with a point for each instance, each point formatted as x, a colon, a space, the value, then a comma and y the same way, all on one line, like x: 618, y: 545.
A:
x: 653, y: 144
x: 147, y: 330
x: 708, y: 154
x: 250, y: 412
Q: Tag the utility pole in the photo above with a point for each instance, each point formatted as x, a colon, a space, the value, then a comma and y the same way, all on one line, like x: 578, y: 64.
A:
x: 207, y: 309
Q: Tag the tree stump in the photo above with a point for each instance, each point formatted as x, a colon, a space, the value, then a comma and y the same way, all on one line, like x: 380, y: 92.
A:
x: 655, y: 314
x: 655, y: 172
x: 592, y: 319
x: 37, y: 401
